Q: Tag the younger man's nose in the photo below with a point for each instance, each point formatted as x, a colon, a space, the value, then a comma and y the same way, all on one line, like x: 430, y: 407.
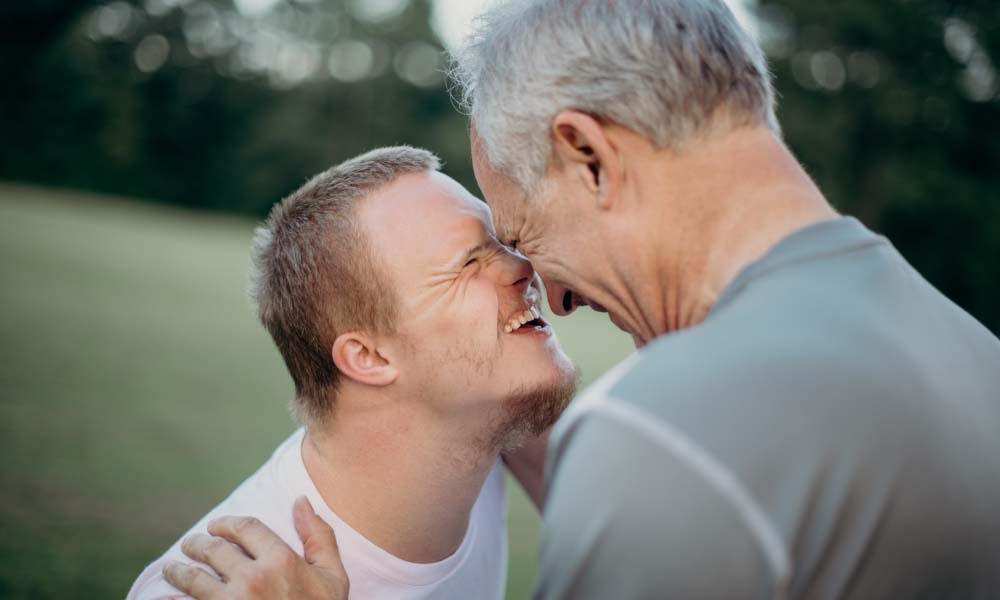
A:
x: 517, y: 271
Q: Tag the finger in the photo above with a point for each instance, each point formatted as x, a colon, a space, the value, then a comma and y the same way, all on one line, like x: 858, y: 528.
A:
x: 252, y: 536
x: 216, y: 552
x: 318, y: 540
x: 192, y: 581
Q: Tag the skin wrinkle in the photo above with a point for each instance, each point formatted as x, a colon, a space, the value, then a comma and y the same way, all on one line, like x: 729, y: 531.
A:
x: 487, y: 259
x: 487, y: 253
x: 530, y: 238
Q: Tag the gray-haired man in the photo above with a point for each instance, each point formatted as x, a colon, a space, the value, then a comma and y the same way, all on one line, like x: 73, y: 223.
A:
x: 806, y: 417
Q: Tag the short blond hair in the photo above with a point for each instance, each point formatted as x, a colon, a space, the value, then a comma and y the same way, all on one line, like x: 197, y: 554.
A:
x: 314, y: 276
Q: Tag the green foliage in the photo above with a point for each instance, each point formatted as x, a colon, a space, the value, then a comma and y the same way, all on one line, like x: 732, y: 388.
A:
x: 205, y: 128
x: 892, y: 106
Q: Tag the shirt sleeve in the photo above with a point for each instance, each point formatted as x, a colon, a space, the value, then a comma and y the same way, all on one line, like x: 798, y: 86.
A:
x: 152, y: 586
x: 626, y: 518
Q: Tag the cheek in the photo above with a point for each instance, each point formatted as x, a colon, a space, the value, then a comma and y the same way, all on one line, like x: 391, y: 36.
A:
x: 479, y: 309
x: 564, y: 259
x: 467, y: 348
x: 468, y: 326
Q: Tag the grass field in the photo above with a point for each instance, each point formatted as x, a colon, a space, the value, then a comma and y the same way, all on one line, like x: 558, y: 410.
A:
x: 136, y: 388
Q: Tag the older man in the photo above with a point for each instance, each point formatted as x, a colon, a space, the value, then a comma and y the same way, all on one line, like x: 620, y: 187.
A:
x: 418, y: 354
x: 807, y: 417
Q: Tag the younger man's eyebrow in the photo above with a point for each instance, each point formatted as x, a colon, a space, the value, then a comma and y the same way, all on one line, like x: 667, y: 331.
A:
x: 473, y: 251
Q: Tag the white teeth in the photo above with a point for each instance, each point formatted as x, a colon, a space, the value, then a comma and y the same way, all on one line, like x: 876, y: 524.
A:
x: 518, y: 320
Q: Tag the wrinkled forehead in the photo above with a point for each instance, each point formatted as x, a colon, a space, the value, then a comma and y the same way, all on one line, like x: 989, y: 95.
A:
x: 421, y: 221
x: 503, y: 195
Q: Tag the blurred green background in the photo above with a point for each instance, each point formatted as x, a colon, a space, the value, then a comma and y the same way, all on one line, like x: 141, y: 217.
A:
x: 141, y: 141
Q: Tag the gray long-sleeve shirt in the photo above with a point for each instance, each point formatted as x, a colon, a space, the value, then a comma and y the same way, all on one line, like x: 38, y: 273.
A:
x: 831, y: 430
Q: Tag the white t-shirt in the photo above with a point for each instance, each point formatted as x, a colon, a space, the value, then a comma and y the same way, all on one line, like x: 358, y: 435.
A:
x: 478, y: 569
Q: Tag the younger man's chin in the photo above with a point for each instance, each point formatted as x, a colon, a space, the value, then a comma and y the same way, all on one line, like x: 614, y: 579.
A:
x: 529, y: 411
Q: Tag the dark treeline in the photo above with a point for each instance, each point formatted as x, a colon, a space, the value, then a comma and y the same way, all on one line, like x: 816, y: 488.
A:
x: 227, y: 121
x: 893, y: 107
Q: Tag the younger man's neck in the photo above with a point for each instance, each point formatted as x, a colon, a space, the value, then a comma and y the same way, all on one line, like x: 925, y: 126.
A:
x: 405, y: 484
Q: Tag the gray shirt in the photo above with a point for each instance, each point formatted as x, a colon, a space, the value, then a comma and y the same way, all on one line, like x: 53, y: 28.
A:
x: 831, y: 430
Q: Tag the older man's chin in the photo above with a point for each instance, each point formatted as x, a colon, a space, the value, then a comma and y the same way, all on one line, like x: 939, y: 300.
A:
x: 529, y: 411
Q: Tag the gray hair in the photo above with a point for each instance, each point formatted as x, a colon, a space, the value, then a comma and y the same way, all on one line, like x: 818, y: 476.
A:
x: 313, y: 275
x: 661, y: 68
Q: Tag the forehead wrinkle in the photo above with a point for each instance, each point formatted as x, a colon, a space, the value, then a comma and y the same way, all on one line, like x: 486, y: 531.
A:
x: 502, y: 226
x: 512, y: 227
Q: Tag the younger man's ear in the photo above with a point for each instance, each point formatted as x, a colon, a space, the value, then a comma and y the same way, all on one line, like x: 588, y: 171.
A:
x: 357, y: 357
x: 581, y: 145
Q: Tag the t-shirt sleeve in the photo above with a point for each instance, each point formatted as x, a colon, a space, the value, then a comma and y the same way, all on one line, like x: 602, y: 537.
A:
x: 627, y: 518
x: 152, y: 586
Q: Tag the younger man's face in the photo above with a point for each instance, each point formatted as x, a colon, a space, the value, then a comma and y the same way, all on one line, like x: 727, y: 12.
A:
x: 470, y: 308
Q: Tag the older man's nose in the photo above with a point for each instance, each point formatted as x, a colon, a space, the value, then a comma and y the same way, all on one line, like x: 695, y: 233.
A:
x: 560, y: 299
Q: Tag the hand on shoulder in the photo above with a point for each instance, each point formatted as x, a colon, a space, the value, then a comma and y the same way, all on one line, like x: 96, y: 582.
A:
x: 255, y: 563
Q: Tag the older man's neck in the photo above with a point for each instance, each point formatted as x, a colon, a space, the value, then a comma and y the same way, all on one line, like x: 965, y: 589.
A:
x: 396, y: 480
x: 739, y: 194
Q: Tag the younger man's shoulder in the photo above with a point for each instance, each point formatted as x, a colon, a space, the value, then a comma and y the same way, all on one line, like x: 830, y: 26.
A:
x: 151, y: 585
x: 265, y: 495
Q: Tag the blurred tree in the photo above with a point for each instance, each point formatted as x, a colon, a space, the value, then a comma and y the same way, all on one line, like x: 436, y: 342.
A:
x: 201, y: 103
x: 893, y: 107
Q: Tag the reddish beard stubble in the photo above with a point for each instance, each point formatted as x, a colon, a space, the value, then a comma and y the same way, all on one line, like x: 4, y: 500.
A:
x: 528, y: 412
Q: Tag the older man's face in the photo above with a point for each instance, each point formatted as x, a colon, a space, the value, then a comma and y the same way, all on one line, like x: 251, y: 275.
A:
x: 562, y: 249
x: 470, y: 306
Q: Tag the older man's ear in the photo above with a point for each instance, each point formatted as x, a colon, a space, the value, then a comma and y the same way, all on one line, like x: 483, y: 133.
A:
x: 357, y: 357
x: 583, y: 147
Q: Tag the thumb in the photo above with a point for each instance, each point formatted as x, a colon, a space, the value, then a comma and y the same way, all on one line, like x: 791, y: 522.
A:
x: 318, y: 540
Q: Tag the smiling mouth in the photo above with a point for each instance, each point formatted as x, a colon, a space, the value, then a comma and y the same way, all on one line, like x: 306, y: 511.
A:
x: 527, y: 320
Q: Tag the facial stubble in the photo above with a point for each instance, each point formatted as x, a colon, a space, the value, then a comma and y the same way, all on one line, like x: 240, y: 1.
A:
x: 528, y: 411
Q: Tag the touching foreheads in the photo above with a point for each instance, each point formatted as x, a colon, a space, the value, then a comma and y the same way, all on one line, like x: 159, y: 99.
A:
x: 314, y: 275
